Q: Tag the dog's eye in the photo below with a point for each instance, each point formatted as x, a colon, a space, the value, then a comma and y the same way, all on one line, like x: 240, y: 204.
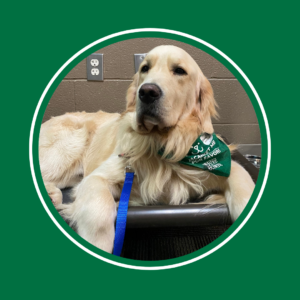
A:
x: 145, y: 69
x: 179, y: 71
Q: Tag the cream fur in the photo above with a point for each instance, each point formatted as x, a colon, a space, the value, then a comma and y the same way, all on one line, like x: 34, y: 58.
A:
x: 81, y: 150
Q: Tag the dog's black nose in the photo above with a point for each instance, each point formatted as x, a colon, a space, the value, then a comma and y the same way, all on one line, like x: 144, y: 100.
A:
x: 148, y: 93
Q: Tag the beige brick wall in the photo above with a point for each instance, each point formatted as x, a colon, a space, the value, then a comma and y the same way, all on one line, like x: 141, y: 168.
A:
x: 237, y: 121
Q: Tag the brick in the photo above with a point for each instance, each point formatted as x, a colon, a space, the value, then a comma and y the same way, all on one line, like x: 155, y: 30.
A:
x: 235, y: 106
x: 109, y: 96
x: 62, y: 100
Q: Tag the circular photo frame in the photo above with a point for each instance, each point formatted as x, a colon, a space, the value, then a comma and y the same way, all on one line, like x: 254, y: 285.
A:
x: 263, y: 126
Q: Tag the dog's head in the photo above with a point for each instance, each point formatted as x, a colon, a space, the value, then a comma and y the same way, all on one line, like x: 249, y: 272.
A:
x: 170, y: 88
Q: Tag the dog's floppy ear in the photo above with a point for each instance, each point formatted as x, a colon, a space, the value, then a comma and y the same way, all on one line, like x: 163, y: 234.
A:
x: 131, y: 93
x: 207, y: 106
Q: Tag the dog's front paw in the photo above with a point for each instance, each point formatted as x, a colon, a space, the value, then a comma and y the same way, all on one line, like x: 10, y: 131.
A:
x: 54, y: 193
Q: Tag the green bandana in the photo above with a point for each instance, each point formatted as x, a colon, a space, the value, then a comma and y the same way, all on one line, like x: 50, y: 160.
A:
x: 208, y: 153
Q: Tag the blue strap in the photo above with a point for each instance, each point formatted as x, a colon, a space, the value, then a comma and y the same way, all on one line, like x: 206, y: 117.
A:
x: 122, y: 214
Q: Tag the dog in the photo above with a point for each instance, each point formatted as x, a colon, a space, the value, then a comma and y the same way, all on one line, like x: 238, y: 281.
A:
x: 170, y: 103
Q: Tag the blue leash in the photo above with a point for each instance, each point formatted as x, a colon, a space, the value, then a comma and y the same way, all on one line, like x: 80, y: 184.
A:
x: 122, y: 211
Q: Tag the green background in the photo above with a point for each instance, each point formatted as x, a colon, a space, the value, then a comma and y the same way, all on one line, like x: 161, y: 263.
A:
x: 38, y: 261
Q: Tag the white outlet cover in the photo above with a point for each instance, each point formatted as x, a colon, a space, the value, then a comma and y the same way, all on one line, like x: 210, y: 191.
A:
x: 95, y: 62
x: 95, y: 71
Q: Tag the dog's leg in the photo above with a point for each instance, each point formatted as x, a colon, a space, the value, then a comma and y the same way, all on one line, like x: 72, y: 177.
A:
x: 54, y: 193
x: 61, y: 146
x: 214, y: 199
x: 93, y: 212
x: 239, y: 190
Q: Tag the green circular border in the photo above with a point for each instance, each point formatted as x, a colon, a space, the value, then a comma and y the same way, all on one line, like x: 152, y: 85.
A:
x: 251, y: 96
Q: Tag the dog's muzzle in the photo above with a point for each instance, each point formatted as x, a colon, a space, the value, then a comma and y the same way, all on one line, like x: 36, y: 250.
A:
x: 149, y: 93
x: 148, y: 114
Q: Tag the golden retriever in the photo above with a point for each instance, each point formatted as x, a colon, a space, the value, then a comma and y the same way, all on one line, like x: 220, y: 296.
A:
x: 169, y: 104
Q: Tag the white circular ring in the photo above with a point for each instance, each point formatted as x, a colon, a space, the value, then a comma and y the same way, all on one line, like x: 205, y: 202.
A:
x: 267, y: 165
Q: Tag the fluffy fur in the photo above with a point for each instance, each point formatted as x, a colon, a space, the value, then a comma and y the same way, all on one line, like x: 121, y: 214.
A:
x: 81, y: 150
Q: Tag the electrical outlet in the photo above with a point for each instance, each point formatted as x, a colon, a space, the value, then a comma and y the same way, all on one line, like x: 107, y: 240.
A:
x: 95, y: 72
x: 95, y: 62
x: 138, y: 58
x: 94, y: 67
